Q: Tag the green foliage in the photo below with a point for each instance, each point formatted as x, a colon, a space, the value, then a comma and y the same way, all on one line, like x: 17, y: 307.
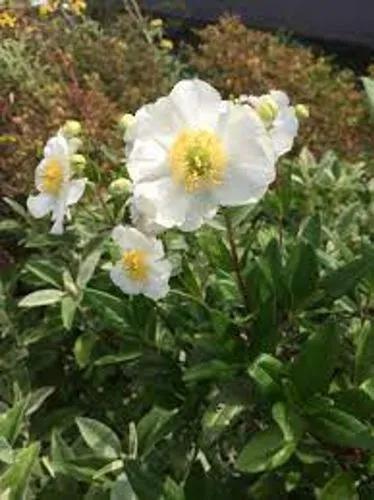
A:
x: 202, y: 395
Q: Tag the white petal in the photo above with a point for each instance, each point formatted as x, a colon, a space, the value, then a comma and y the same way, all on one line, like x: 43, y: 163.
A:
x: 198, y: 103
x: 120, y: 279
x: 202, y: 207
x: 169, y: 200
x: 40, y: 205
x: 75, y: 190
x: 284, y: 131
x: 147, y: 161
x: 157, y: 286
x: 158, y: 122
x: 142, y: 216
x: 281, y: 98
x: 251, y: 161
x: 129, y: 238
x: 58, y: 216
x: 57, y: 146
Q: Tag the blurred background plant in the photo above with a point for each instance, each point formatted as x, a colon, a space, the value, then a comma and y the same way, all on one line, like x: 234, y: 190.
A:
x: 238, y: 60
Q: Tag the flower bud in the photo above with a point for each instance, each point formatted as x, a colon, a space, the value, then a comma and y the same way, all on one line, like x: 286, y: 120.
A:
x: 166, y: 44
x: 156, y: 23
x: 120, y: 187
x: 78, y: 162
x: 302, y: 111
x: 126, y: 121
x: 267, y: 110
x: 72, y: 128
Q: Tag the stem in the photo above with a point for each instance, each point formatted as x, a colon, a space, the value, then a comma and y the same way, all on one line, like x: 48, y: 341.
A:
x: 235, y: 260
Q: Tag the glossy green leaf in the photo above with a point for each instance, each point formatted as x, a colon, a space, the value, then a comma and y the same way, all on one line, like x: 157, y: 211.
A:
x: 312, y: 370
x: 11, y: 421
x: 83, y: 348
x: 339, y: 487
x: 364, y: 366
x: 42, y: 298
x: 16, y: 477
x: 100, y: 438
x: 88, y: 266
x: 265, y: 451
x: 152, y: 427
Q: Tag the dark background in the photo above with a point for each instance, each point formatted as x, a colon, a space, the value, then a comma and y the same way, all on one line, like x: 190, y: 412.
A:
x: 347, y: 21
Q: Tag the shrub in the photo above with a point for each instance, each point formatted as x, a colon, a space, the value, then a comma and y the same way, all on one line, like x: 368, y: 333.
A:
x: 238, y: 61
x: 202, y: 395
x: 50, y: 72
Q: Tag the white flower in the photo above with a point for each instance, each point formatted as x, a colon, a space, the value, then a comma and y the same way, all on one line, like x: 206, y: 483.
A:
x: 279, y: 117
x: 52, y: 179
x: 142, y: 267
x: 142, y: 213
x: 191, y: 152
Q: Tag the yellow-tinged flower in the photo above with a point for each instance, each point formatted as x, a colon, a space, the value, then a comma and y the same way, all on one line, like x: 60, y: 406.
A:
x: 191, y: 152
x: 120, y: 187
x: 302, y: 111
x: 7, y: 19
x: 279, y: 117
x: 166, y: 44
x: 77, y: 7
x: 126, y: 121
x: 142, y: 268
x: 53, y: 181
x: 156, y: 23
x: 72, y: 128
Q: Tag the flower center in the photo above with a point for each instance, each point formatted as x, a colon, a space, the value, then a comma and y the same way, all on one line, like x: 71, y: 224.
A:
x: 52, y: 177
x: 198, y: 160
x: 135, y: 264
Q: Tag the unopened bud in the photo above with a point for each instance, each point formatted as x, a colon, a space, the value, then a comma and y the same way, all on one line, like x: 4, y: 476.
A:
x: 72, y: 128
x: 78, y: 162
x: 166, y: 44
x: 156, y: 23
x: 267, y: 110
x: 126, y: 121
x: 302, y: 111
x: 120, y: 187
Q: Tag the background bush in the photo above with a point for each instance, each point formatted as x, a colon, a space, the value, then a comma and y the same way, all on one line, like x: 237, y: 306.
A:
x: 238, y: 60
x: 51, y: 71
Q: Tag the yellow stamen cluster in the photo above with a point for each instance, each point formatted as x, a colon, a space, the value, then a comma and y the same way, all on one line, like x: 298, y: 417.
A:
x: 198, y: 160
x: 135, y: 264
x: 53, y: 177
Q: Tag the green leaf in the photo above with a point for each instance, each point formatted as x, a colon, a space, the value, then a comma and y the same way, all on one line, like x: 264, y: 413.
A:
x: 312, y: 370
x: 310, y: 230
x: 68, y: 309
x: 83, y: 348
x: 265, y: 451
x: 6, y: 452
x: 343, y: 280
x: 88, y: 266
x: 16, y: 207
x: 100, y: 438
x: 302, y: 269
x: 17, y: 475
x: 369, y: 89
x: 341, y: 428
x: 42, y: 298
x: 37, y: 398
x: 45, y: 271
x: 122, y: 489
x: 172, y: 491
x: 152, y: 428
x: 340, y: 487
x: 218, y: 418
x: 146, y: 484
x: 11, y: 421
x: 209, y: 370
x: 61, y: 452
x: 364, y: 366
x: 266, y: 371
x: 113, y: 359
x: 289, y: 422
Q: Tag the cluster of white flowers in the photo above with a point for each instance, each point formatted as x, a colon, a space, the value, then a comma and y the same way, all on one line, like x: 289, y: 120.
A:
x: 188, y: 154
